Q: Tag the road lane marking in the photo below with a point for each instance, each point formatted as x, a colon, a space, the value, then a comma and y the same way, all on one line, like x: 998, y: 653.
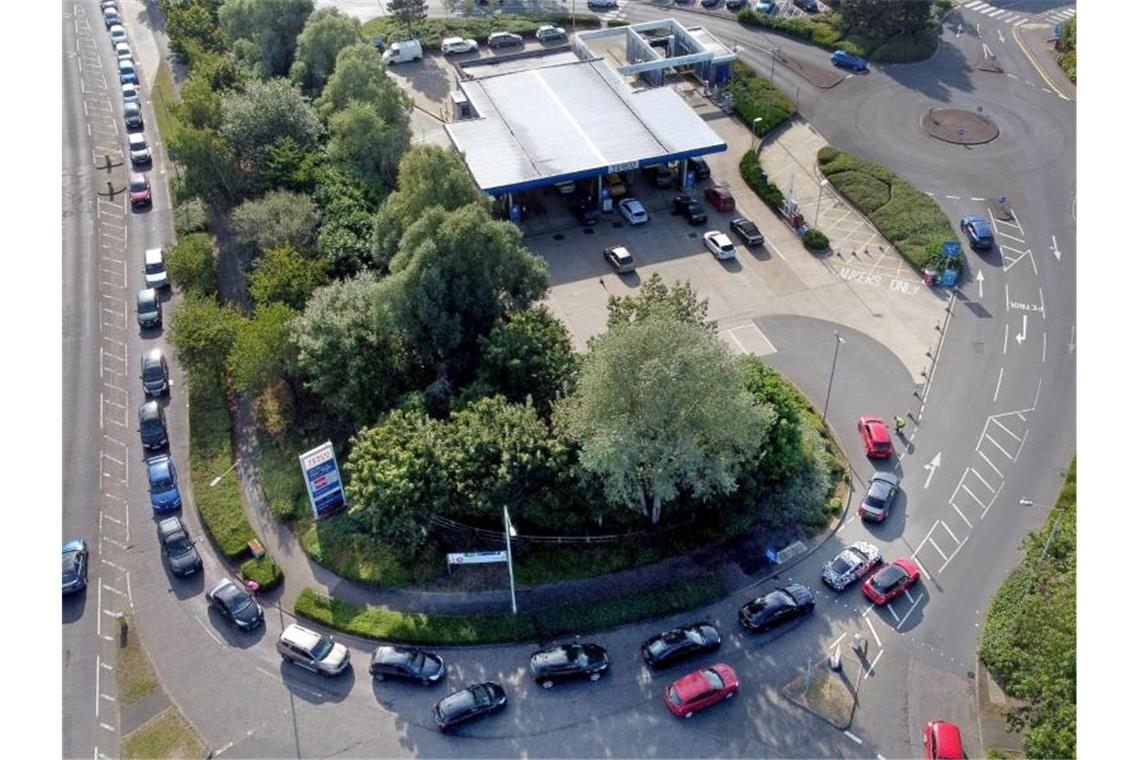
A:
x: 947, y: 529
x: 952, y: 554
x: 853, y: 737
x: 1003, y: 427
x: 979, y: 477
x: 836, y: 643
x: 875, y: 634
x: 892, y: 611
x: 874, y: 662
x: 1044, y: 343
x: 991, y: 464
x: 968, y: 523
x: 912, y: 608
x: 98, y: 661
x: 938, y: 549
x: 213, y: 635
x: 981, y: 503
x: 998, y: 446
x: 918, y: 562
x: 1001, y: 374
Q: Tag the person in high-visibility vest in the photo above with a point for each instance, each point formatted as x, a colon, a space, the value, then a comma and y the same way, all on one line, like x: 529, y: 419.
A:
x: 900, y: 423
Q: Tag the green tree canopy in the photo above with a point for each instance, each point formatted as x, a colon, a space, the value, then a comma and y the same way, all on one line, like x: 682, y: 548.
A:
x: 260, y: 117
x: 658, y: 300
x: 209, y: 166
x: 783, y: 449
x: 192, y: 27
x: 408, y: 12
x: 283, y: 275
x: 326, y: 33
x: 203, y: 332
x: 279, y: 218
x: 528, y: 356
x: 261, y: 353
x: 270, y: 27
x: 429, y: 176
x: 359, y: 74
x: 879, y: 19
x: 190, y: 264
x: 660, y: 410
x: 345, y: 238
x: 362, y: 143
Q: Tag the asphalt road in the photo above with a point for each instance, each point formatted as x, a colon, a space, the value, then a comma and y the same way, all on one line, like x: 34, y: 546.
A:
x: 235, y: 689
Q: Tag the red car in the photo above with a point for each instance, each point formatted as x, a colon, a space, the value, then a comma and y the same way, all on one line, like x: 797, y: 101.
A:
x: 876, y: 438
x: 891, y: 581
x: 943, y: 741
x: 139, y: 189
x: 720, y: 197
x: 700, y: 689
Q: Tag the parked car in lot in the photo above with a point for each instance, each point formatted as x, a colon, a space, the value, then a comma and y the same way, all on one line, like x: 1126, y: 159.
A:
x: 720, y: 197
x: 845, y: 60
x: 810, y: 6
x: 710, y: 3
x: 504, y: 39
x: 601, y: 4
x: 547, y: 33
x: 619, y: 258
x: 881, y: 493
x: 978, y: 231
x: 615, y: 185
x: 564, y: 662
x: 467, y: 704
x: 700, y: 168
x: 312, y: 651
x: 74, y: 566
x: 132, y: 115
x: 452, y: 45
x: 152, y: 426
x: 154, y: 269
x: 734, y: 5
x: 719, y: 245
x: 943, y: 741
x: 670, y: 647
x: 130, y: 93
x: 876, y: 438
x: 747, y: 231
x: 148, y: 310
x: 700, y: 689
x: 127, y: 71
x: 633, y: 211
x: 767, y: 7
x: 111, y: 17
x: 584, y: 211
x: 776, y: 608
x: 162, y: 480
x: 851, y: 564
x: 118, y: 34
x: 236, y: 605
x: 891, y: 581
x: 659, y: 174
x: 138, y: 149
x: 687, y: 206
x: 406, y: 663
x: 565, y: 188
x: 154, y: 373
x: 177, y: 549
x: 138, y: 188
x: 123, y: 52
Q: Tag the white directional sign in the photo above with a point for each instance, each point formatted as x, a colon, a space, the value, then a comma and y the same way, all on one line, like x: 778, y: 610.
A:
x: 475, y: 558
x: 931, y: 467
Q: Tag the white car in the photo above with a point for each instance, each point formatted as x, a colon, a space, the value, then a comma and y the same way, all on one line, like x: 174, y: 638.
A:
x: 118, y: 34
x: 123, y: 52
x: 633, y: 211
x: 546, y: 32
x: 154, y: 269
x: 720, y: 246
x: 130, y: 93
x: 458, y: 45
x: 111, y: 17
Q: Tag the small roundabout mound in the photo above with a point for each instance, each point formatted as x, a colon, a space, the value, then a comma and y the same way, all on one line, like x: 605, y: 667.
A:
x: 959, y: 126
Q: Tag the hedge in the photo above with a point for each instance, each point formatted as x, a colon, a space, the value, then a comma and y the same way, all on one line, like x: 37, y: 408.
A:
x: 755, y: 96
x: 815, y: 240
x: 905, y: 216
x: 540, y: 625
x: 430, y: 32
x: 750, y: 171
x: 826, y: 30
x: 264, y: 571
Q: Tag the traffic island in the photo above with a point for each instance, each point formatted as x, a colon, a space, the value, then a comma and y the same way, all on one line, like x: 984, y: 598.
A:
x: 959, y: 126
x: 824, y: 692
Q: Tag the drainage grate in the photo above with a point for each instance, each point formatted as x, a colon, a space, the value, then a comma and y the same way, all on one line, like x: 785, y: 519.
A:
x: 691, y: 235
x: 559, y: 236
x: 587, y: 230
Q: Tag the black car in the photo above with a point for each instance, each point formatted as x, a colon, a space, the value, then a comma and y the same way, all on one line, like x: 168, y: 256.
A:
x: 236, y: 605
x: 406, y: 662
x: 148, y: 309
x: 781, y: 606
x: 154, y: 373
x: 710, y: 3
x: 734, y: 5
x: 563, y: 662
x: 177, y: 548
x: 747, y: 231
x: 74, y: 566
x: 811, y: 6
x: 152, y: 425
x: 585, y: 212
x: 467, y: 704
x: 671, y: 647
x: 700, y: 168
x: 133, y: 115
x: 687, y: 206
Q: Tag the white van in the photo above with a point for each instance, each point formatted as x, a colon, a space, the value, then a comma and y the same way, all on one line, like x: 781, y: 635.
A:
x: 403, y: 51
x: 154, y: 269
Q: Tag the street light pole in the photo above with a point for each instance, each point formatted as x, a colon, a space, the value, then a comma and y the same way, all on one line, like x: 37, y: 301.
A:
x: 218, y: 479
x: 756, y: 134
x: 834, y: 359
x: 509, y: 531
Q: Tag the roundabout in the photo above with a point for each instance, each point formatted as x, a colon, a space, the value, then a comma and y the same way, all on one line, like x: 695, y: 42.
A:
x: 959, y: 126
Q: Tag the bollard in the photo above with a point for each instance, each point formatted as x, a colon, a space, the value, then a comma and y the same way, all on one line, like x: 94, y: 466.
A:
x: 835, y: 661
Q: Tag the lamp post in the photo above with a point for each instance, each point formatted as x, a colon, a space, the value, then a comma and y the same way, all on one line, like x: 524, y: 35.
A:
x: 834, y: 359
x: 819, y: 201
x: 509, y: 530
x: 756, y: 134
x: 218, y: 479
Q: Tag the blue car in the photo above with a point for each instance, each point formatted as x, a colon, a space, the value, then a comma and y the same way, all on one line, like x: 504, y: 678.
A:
x: 845, y: 60
x: 978, y: 231
x: 769, y: 8
x: 164, y: 493
x: 74, y: 566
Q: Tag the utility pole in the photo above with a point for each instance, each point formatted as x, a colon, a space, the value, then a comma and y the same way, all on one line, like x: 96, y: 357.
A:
x: 1044, y: 551
x: 834, y: 359
x: 509, y: 530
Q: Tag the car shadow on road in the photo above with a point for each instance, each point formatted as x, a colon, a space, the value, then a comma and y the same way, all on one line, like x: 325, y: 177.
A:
x: 183, y: 587
x: 315, y: 689
x: 73, y: 607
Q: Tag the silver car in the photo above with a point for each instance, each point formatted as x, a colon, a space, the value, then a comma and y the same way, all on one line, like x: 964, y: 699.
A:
x: 312, y: 651
x: 139, y: 150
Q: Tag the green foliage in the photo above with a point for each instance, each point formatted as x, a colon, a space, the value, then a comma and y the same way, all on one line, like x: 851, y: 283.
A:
x: 1067, y: 45
x: 345, y: 237
x: 201, y: 103
x: 283, y: 275
x: 750, y: 171
x: 814, y: 240
x: 268, y: 27
x: 1035, y: 611
x: 819, y: 29
x: 408, y: 12
x: 189, y: 217
x: 881, y: 19
x: 261, y: 353
x: 192, y: 25
x: 660, y: 409
x: 756, y: 97
x: 431, y: 31
x: 277, y: 219
x: 429, y: 176
x: 783, y: 449
x: 210, y: 169
x: 541, y: 625
x: 203, y: 332
x: 905, y: 216
x: 656, y: 300
x: 339, y: 544
x: 264, y: 571
x: 259, y: 118
x: 528, y: 356
x: 362, y: 143
x: 326, y: 33
x: 360, y: 75
x: 190, y: 264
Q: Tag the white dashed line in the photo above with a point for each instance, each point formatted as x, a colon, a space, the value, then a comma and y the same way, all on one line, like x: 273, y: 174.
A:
x: 968, y: 523
x: 878, y: 643
x: 874, y: 662
x: 912, y: 608
x: 853, y: 737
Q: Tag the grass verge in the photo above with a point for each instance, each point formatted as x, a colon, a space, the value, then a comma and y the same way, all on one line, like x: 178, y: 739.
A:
x: 135, y: 676
x: 549, y: 623
x: 166, y: 735
x: 1035, y: 610
x: 827, y: 30
x: 430, y: 32
x: 905, y: 216
x: 165, y: 99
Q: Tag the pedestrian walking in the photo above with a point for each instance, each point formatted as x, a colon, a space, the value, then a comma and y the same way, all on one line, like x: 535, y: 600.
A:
x: 900, y: 423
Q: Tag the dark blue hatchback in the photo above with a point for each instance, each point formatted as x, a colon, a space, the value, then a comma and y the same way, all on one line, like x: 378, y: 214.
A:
x: 978, y: 231
x: 845, y: 60
x: 164, y: 493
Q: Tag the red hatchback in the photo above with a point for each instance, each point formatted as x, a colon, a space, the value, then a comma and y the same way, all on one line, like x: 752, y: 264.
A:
x: 891, y: 581
x: 139, y: 190
x: 700, y: 689
x: 720, y: 197
x: 943, y: 741
x: 876, y: 438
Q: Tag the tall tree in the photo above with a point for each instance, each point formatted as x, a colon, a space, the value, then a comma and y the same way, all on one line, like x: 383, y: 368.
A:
x: 203, y: 332
x: 528, y: 356
x: 656, y: 300
x: 326, y: 33
x: 429, y: 176
x: 359, y: 74
x: 279, y: 218
x: 192, y: 28
x: 661, y: 410
x: 283, y: 275
x: 270, y: 26
x: 345, y: 239
x: 210, y: 167
x: 190, y: 263
x: 408, y: 12
x: 879, y: 19
x: 261, y: 353
x: 783, y: 449
x: 262, y: 119
x: 362, y: 143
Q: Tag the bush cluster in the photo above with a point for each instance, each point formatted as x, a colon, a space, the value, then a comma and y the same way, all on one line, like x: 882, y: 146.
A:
x: 827, y: 30
x: 752, y: 173
x: 756, y: 97
x: 815, y: 240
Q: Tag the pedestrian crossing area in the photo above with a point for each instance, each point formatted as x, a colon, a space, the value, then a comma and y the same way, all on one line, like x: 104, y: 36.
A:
x: 997, y: 14
x: 1058, y: 16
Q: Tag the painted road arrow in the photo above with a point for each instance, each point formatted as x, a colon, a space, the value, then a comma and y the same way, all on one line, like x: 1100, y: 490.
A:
x: 931, y: 467
x: 1056, y: 250
x: 1020, y: 337
x: 981, y: 280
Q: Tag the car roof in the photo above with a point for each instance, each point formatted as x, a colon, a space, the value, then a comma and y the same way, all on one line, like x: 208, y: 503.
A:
x: 301, y: 636
x: 152, y: 357
x: 798, y: 592
x: 948, y: 738
x: 148, y: 294
x: 692, y: 685
x: 152, y: 256
x: 170, y: 526
x: 885, y: 477
x: 392, y: 655
x: 136, y: 137
x: 149, y: 410
x: 161, y: 462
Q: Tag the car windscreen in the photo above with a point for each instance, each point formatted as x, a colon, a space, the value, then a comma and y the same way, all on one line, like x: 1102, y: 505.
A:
x: 152, y: 372
x: 888, y: 578
x: 236, y: 602
x: 138, y: 184
x: 322, y: 649
x: 70, y: 566
x: 151, y: 425
x: 178, y: 545
x: 160, y: 476
x: 714, y: 678
x: 457, y: 704
x: 154, y: 267
x: 841, y: 564
x: 146, y: 303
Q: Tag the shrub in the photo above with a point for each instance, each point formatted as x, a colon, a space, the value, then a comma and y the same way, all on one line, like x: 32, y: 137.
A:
x: 756, y: 96
x: 814, y: 240
x: 263, y: 571
x: 190, y: 216
x: 827, y: 30
x: 190, y: 263
x: 751, y: 172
